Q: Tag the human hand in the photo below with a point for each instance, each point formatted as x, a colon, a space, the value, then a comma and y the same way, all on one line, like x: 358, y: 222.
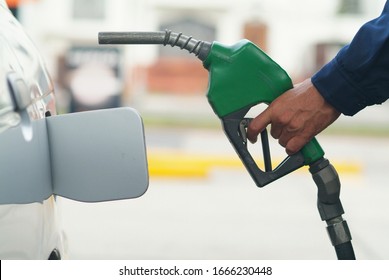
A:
x: 295, y: 117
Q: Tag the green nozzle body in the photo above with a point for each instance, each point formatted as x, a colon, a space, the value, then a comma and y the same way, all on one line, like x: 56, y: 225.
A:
x: 241, y: 76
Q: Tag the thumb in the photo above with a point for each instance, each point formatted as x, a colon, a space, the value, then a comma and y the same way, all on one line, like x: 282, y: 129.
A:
x: 258, y: 124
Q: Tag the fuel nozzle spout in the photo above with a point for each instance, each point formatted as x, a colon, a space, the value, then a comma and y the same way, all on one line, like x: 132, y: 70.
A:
x: 200, y: 48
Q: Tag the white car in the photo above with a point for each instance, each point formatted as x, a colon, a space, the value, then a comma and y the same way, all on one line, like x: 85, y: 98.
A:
x: 28, y: 231
x: 89, y: 156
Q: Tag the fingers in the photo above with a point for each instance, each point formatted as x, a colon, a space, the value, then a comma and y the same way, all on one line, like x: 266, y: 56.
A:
x: 257, y: 125
x: 286, y: 128
x: 288, y: 137
x: 279, y: 126
x: 296, y: 117
x: 295, y: 144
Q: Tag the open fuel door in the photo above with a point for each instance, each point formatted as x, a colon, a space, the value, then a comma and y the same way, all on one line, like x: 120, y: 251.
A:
x: 90, y: 156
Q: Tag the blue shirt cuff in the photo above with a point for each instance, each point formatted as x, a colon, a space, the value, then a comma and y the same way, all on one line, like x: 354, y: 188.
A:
x: 334, y: 85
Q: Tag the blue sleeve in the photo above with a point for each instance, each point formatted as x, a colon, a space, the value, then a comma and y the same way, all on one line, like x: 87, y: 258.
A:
x: 359, y: 75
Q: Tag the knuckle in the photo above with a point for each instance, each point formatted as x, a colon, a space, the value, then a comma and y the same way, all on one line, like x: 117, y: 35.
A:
x: 283, y: 119
x: 293, y: 126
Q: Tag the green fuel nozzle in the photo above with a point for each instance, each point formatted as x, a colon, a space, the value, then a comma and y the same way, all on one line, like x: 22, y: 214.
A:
x: 240, y: 77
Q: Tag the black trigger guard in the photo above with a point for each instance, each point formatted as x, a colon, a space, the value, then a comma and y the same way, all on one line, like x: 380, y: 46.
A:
x: 232, y: 128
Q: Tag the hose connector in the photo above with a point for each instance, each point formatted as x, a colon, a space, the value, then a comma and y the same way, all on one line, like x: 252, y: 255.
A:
x: 330, y: 207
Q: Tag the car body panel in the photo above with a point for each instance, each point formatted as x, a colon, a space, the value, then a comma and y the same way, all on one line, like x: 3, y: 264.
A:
x: 28, y: 231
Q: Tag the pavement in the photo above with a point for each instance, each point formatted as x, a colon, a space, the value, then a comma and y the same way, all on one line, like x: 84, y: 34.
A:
x: 202, y: 204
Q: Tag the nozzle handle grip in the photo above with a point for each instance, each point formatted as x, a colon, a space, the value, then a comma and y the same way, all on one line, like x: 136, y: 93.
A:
x: 231, y: 124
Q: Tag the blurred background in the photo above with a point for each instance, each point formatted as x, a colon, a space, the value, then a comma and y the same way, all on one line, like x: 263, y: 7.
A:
x: 300, y: 35
x: 201, y: 203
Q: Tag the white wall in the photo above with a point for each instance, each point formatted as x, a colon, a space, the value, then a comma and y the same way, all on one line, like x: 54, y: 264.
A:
x: 294, y: 26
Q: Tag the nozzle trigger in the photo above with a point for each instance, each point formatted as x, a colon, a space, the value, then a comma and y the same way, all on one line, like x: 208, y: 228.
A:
x: 243, y: 129
x: 266, y: 150
x: 235, y: 127
x: 264, y: 140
